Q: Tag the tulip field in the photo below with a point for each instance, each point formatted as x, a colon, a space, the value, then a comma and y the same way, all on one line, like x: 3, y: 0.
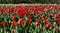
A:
x: 29, y: 18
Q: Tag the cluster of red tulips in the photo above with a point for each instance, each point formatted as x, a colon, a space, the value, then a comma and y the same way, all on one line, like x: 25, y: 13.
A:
x: 30, y: 19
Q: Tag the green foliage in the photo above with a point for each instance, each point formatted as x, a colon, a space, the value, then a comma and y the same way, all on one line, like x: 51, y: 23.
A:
x: 29, y: 1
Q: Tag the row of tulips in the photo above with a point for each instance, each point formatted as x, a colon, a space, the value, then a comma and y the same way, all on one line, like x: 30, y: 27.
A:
x: 30, y: 19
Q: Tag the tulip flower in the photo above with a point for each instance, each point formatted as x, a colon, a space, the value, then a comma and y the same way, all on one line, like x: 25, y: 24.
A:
x: 49, y: 8
x: 29, y: 20
x: 37, y: 22
x: 1, y: 10
x: 49, y: 25
x: 3, y: 23
x: 57, y: 20
x: 13, y: 17
x: 22, y: 23
x: 14, y: 24
x: 29, y: 16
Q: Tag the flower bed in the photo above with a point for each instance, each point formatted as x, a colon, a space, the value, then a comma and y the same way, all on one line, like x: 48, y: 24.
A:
x: 30, y: 19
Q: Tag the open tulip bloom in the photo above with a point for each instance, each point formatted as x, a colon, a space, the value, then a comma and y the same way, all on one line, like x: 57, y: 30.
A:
x: 30, y: 18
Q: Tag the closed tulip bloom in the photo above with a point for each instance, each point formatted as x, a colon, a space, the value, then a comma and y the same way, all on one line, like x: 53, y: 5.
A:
x: 13, y: 17
x: 37, y: 22
x: 14, y: 24
x: 49, y: 25
x: 3, y: 23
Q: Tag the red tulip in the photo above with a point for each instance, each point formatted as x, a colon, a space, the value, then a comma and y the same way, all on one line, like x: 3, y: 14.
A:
x: 49, y: 8
x: 14, y: 24
x: 29, y: 20
x: 49, y: 25
x: 20, y: 20
x: 32, y: 8
x: 11, y: 10
x: 25, y: 8
x: 23, y: 12
x: 27, y: 13
x: 20, y: 14
x: 1, y: 10
x: 57, y: 20
x: 35, y: 12
x: 41, y: 8
x: 22, y: 23
x: 13, y: 17
x: 29, y: 16
x: 44, y: 20
x: 3, y: 23
x: 55, y: 15
x: 37, y: 22
x: 57, y: 7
